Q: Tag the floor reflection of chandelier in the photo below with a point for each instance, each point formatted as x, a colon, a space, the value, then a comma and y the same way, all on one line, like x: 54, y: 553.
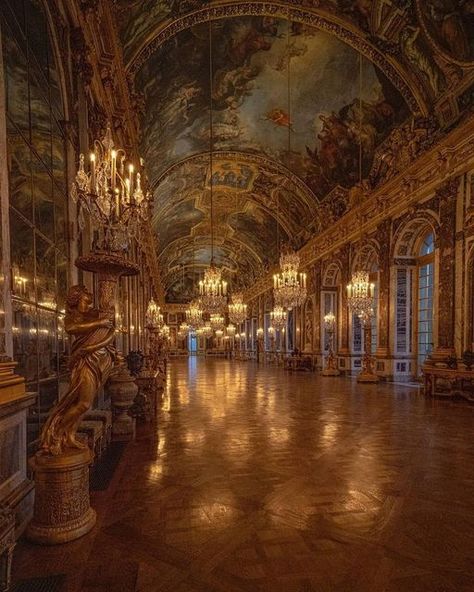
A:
x: 289, y: 285
x: 213, y: 290
x: 194, y: 314
x: 278, y: 317
x: 237, y: 310
x: 111, y: 194
x: 360, y: 294
x: 217, y: 321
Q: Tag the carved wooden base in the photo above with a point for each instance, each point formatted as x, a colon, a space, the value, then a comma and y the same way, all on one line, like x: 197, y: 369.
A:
x: 62, y: 511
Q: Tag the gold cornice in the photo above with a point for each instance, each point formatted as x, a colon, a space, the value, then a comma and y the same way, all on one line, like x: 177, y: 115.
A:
x: 452, y: 157
x: 411, y: 87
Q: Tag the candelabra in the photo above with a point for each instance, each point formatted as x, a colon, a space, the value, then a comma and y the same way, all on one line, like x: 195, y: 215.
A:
x: 213, y: 290
x: 194, y: 314
x: 360, y: 300
x: 331, y: 362
x: 111, y: 194
x: 289, y: 286
x: 278, y: 317
x: 217, y: 321
x: 237, y: 309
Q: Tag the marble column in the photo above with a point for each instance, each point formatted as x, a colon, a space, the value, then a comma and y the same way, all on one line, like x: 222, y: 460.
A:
x: 446, y: 242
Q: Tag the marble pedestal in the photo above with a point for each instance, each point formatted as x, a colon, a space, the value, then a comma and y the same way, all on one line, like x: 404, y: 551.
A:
x: 62, y: 509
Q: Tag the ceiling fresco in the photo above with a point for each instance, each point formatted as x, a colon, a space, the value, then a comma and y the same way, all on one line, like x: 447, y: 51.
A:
x: 250, y: 106
x: 278, y: 167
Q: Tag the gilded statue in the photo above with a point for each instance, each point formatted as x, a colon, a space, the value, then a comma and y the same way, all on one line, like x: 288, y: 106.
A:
x: 92, y: 359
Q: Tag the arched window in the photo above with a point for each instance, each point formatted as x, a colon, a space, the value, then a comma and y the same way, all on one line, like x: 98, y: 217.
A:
x: 425, y: 299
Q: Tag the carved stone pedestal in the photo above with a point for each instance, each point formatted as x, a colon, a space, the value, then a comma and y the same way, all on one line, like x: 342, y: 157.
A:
x: 62, y: 510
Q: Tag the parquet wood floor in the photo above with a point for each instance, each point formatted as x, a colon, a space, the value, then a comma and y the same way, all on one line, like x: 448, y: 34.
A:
x: 262, y: 481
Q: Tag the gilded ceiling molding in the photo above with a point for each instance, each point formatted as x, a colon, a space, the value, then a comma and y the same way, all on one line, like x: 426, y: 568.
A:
x: 411, y: 89
x: 449, y: 159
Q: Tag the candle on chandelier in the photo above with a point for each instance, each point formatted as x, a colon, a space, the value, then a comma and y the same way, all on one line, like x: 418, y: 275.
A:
x: 92, y: 159
x: 131, y: 169
x: 113, y: 155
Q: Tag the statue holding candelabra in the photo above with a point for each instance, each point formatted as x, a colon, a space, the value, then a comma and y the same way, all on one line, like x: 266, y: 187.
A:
x: 111, y: 198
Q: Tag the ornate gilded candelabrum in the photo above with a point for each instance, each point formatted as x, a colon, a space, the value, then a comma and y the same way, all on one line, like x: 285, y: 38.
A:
x: 331, y: 361
x: 116, y: 204
x: 360, y: 299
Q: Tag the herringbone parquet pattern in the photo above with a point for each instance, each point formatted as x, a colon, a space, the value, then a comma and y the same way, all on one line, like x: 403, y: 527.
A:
x: 261, y: 481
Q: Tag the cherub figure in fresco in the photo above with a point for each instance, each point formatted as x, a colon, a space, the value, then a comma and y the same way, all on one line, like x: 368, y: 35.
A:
x: 279, y: 117
x: 293, y: 51
x: 247, y: 42
x: 179, y: 105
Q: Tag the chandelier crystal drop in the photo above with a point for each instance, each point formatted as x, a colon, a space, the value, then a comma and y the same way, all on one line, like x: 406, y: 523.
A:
x: 289, y: 285
x: 194, y: 314
x: 153, y: 316
x: 360, y: 294
x: 237, y: 309
x: 111, y: 193
x: 217, y: 321
x: 278, y: 317
x: 213, y: 290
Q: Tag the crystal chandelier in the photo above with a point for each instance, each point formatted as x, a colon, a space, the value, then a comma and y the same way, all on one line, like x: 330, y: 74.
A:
x: 230, y: 330
x: 217, y: 321
x: 164, y: 332
x: 207, y: 330
x: 194, y: 314
x: 289, y: 286
x: 213, y: 290
x: 360, y: 294
x: 183, y: 330
x: 111, y: 194
x: 278, y: 317
x: 237, y: 310
x: 153, y: 316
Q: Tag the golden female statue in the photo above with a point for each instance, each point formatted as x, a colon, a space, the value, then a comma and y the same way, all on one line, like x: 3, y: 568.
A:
x: 92, y: 359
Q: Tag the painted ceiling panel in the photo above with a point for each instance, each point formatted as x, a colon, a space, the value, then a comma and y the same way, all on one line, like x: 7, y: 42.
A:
x: 250, y: 105
x: 279, y: 168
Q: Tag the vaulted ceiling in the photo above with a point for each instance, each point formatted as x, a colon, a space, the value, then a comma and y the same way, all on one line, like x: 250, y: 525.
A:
x: 265, y: 187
